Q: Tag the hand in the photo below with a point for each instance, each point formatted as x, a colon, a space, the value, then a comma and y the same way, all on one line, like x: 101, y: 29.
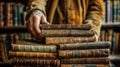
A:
x: 33, y: 23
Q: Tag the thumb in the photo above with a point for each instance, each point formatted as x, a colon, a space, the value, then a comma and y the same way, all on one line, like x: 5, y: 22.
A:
x: 44, y: 20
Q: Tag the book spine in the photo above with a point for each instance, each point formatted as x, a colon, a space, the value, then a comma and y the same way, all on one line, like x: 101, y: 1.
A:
x: 4, y: 55
x: 108, y: 11
x: 66, y: 26
x: 8, y: 14
x: 64, y: 32
x: 90, y: 45
x: 20, y: 10
x: 64, y: 40
x: 2, y: 14
x: 35, y: 61
x: 33, y: 55
x: 97, y: 60
x: 34, y: 48
x: 84, y: 53
x: 85, y: 65
x: 15, y: 14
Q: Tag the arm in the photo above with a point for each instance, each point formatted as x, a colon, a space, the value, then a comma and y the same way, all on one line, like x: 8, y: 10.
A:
x: 37, y: 5
x: 95, y: 15
x: 36, y: 16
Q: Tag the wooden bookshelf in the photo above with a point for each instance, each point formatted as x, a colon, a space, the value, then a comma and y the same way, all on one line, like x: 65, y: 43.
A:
x: 115, y: 26
x: 111, y: 25
x: 17, y: 29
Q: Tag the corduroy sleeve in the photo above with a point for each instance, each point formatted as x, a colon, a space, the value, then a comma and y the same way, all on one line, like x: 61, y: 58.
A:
x: 95, y: 15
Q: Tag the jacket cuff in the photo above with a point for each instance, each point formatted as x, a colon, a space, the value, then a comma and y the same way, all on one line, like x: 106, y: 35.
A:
x: 31, y: 11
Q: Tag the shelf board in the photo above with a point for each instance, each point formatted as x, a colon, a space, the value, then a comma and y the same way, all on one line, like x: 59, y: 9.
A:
x: 15, y: 29
x: 20, y: 29
x: 111, y: 25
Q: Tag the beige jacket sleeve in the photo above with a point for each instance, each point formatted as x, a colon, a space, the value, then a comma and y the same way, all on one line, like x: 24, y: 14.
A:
x: 35, y: 5
x: 95, y: 15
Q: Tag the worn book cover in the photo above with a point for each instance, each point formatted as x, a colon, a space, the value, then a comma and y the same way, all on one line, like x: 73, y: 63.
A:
x: 35, y: 61
x: 68, y: 40
x: 97, y: 60
x: 85, y: 65
x: 33, y: 55
x: 94, y: 53
x: 33, y: 47
x: 86, y: 45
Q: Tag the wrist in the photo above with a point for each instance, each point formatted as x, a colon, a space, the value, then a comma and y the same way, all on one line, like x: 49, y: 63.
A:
x: 29, y: 13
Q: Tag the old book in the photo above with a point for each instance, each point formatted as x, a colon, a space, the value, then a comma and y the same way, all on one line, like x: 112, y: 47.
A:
x: 66, y: 40
x: 33, y: 55
x: 86, y: 45
x: 28, y: 42
x: 20, y: 10
x: 95, y: 60
x: 66, y: 26
x: 33, y: 47
x: 35, y: 61
x: 8, y: 14
x: 83, y: 53
x: 2, y: 14
x: 3, y: 48
x: 15, y: 14
x: 85, y: 65
x: 66, y: 32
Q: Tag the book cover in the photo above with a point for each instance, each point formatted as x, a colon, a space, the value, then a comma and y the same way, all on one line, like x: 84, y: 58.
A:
x: 66, y: 26
x: 85, y: 65
x: 66, y: 40
x: 33, y: 47
x: 66, y: 32
x: 86, y: 45
x: 94, y: 53
x: 98, y: 60
x: 33, y: 55
x: 35, y: 61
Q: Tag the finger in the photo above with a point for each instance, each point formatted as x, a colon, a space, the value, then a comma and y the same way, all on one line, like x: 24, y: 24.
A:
x: 96, y: 37
x: 30, y: 27
x: 36, y: 20
x: 44, y: 20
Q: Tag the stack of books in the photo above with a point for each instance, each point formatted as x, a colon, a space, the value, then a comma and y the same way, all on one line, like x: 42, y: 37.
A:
x: 92, y: 54
x: 32, y: 54
x: 67, y: 33
x: 62, y: 45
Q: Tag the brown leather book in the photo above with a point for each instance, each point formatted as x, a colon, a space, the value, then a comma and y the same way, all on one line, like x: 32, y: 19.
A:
x: 2, y: 14
x: 97, y: 60
x: 33, y: 55
x: 84, y: 53
x: 67, y: 40
x: 66, y: 32
x: 35, y: 61
x: 86, y: 45
x: 85, y: 65
x: 8, y: 14
x: 66, y: 26
x: 3, y: 50
x: 33, y: 47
